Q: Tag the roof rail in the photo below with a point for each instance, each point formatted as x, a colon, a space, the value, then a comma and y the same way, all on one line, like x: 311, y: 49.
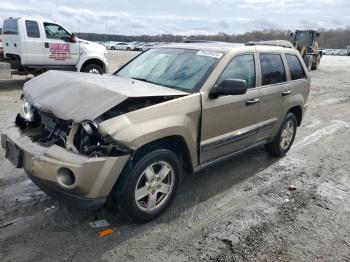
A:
x: 281, y: 43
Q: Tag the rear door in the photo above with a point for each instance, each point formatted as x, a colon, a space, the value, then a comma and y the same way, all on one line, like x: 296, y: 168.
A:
x: 59, y: 49
x: 230, y: 123
x: 273, y: 85
x: 34, y: 48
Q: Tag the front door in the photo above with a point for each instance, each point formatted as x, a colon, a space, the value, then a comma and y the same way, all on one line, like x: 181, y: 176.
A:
x: 230, y: 123
x: 59, y: 48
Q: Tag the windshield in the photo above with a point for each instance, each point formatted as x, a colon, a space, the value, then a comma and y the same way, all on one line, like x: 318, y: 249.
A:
x: 304, y: 38
x: 181, y: 69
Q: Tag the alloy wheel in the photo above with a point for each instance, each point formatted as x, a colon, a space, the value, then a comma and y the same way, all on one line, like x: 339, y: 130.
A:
x: 154, y: 186
x: 287, y: 134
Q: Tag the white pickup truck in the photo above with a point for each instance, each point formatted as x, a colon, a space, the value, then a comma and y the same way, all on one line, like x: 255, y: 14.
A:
x: 33, y: 46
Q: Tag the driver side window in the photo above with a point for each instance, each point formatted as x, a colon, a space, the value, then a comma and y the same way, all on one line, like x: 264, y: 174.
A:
x: 54, y: 31
x: 241, y: 67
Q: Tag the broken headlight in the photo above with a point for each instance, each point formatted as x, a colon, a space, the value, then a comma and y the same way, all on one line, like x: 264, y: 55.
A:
x: 27, y: 111
x: 89, y: 141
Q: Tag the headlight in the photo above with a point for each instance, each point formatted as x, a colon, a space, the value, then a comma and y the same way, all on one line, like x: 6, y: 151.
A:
x: 27, y: 112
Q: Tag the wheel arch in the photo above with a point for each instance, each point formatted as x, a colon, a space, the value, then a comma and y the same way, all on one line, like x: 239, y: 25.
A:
x: 96, y: 61
x: 298, y: 112
x: 175, y: 143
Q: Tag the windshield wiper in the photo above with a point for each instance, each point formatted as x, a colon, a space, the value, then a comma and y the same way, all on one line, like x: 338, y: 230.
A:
x: 142, y: 79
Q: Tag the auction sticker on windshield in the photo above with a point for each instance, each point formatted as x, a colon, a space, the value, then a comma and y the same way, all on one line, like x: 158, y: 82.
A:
x: 210, y: 54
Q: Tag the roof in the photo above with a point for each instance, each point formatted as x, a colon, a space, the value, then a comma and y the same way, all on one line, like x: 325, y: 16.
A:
x: 224, y: 47
x: 281, y: 43
x: 210, y: 46
x: 32, y: 18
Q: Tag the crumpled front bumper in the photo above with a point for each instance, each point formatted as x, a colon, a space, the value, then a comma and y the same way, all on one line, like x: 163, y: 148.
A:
x: 94, y: 177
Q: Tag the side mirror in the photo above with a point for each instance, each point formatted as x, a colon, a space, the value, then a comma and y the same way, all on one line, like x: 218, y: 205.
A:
x: 317, y: 34
x: 229, y: 87
x: 292, y: 35
x: 73, y: 39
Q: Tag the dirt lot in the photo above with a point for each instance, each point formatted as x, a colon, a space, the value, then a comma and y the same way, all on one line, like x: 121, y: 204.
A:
x: 239, y: 210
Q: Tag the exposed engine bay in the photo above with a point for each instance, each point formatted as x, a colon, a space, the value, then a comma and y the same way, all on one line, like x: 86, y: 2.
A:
x: 84, y: 138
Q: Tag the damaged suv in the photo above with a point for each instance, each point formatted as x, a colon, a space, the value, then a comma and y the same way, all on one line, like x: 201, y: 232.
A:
x: 129, y: 137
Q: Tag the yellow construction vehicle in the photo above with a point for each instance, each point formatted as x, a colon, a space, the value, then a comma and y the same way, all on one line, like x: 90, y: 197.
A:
x: 306, y: 42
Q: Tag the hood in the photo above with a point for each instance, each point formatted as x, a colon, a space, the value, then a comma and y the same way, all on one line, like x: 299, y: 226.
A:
x: 81, y: 96
x: 91, y: 46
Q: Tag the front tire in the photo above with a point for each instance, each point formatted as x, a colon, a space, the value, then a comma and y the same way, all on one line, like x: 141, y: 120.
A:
x: 284, y: 138
x: 148, y: 189
x: 308, y: 62
x: 316, y: 62
x: 93, y: 69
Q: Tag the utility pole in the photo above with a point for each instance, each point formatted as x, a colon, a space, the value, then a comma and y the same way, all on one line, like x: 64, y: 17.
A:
x: 106, y: 26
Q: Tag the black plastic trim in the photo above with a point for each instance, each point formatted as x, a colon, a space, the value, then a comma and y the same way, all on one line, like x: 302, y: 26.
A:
x: 229, y: 155
x: 229, y: 140
x: 68, y: 198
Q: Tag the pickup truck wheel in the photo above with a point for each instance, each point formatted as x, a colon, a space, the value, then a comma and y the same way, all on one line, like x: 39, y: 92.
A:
x: 285, y: 137
x: 149, y: 188
x: 93, y: 69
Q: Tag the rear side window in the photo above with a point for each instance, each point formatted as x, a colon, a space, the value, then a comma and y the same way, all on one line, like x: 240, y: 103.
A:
x: 10, y: 27
x: 241, y: 67
x: 32, y: 29
x: 272, y: 69
x: 295, y: 67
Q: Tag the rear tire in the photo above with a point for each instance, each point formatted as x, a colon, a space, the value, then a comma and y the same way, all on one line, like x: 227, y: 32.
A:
x: 143, y: 192
x: 93, y: 69
x: 284, y: 138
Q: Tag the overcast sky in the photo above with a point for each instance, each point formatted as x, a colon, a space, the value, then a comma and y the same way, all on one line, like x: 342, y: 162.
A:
x: 185, y: 17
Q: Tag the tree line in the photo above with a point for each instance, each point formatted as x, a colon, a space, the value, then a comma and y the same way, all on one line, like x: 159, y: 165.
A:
x: 333, y: 38
x: 329, y: 38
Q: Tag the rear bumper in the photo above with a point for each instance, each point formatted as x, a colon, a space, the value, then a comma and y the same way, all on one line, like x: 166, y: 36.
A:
x: 94, y: 177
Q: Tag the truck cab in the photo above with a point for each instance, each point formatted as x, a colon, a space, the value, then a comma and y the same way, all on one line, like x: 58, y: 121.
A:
x: 34, y: 46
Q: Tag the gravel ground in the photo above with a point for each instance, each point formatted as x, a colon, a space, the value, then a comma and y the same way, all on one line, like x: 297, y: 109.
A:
x: 238, y: 210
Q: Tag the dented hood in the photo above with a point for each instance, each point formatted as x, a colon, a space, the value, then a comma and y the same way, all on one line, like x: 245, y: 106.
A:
x: 81, y: 96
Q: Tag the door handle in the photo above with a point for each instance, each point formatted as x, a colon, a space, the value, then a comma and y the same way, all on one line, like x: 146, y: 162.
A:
x: 252, y: 102
x: 46, y: 45
x: 285, y: 93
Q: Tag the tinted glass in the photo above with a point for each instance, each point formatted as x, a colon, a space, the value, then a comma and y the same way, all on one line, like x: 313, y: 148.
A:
x: 32, y: 29
x: 10, y: 27
x: 241, y: 67
x: 272, y: 69
x: 296, y: 70
x: 182, y: 69
x: 54, y: 31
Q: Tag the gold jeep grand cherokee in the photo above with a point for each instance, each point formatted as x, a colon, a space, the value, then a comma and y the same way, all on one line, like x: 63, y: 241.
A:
x: 174, y: 109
